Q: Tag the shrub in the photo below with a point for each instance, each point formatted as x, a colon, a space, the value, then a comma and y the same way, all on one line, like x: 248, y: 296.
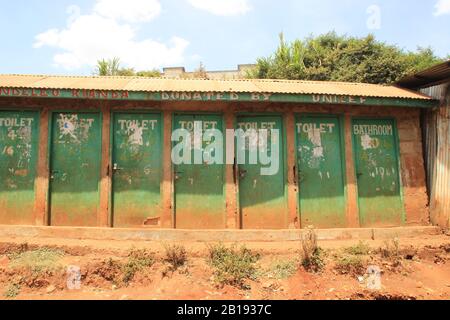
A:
x: 38, y: 261
x: 175, y: 256
x: 353, y: 265
x: 391, y: 250
x: 312, y: 255
x: 233, y: 266
x: 283, y: 269
x: 361, y: 249
x: 12, y: 291
x: 137, y: 261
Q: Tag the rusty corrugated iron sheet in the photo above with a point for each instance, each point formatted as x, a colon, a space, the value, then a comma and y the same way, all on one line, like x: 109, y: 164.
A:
x: 437, y: 144
x: 433, y: 76
x: 201, y: 85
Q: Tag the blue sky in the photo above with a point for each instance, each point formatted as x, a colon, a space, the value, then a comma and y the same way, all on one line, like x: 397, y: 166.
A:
x: 68, y: 36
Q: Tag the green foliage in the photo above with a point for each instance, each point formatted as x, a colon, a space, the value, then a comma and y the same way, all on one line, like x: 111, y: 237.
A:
x: 109, y: 67
x: 137, y: 261
x: 12, y: 291
x: 232, y: 266
x: 283, y: 269
x: 149, y: 74
x: 353, y: 265
x: 330, y: 57
x: 39, y: 261
x: 361, y: 249
x: 112, y: 67
x: 122, y: 272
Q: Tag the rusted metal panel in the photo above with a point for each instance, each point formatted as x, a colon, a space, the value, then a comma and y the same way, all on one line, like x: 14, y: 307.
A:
x: 262, y: 197
x: 204, y: 86
x: 75, y: 162
x: 199, y: 181
x: 437, y: 142
x: 377, y: 169
x: 320, y: 171
x: 137, y: 168
x: 18, y: 158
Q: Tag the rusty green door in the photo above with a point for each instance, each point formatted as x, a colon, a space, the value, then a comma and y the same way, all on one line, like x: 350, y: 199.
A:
x: 199, y: 186
x: 262, y: 197
x: 377, y: 171
x: 75, y: 162
x: 320, y: 172
x: 18, y: 158
x: 137, y: 155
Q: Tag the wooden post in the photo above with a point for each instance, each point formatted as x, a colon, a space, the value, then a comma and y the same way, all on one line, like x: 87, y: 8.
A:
x: 104, y: 216
x: 230, y: 185
x: 43, y: 176
x: 167, y: 187
x: 352, y: 192
x: 294, y: 222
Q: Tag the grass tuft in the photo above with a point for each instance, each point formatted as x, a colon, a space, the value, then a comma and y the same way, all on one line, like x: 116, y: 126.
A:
x: 311, y: 254
x: 38, y: 261
x: 12, y: 291
x: 175, y: 256
x: 233, y: 266
x: 361, y: 249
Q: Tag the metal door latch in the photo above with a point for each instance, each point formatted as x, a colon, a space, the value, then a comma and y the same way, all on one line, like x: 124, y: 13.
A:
x: 177, y: 175
x: 242, y: 174
x: 116, y: 168
x: 53, y: 174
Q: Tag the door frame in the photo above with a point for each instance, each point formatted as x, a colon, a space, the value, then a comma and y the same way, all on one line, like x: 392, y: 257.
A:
x: 341, y: 119
x: 111, y: 155
x: 51, y: 112
x: 397, y: 154
x: 284, y: 148
x: 172, y: 166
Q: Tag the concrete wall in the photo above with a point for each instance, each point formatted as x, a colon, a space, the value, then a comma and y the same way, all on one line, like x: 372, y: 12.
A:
x: 408, y: 121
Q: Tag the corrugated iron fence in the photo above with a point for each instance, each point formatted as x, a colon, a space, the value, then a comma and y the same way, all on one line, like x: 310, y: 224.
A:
x: 437, y: 152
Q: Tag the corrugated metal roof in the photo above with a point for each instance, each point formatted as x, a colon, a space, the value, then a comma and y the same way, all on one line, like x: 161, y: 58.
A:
x: 435, y: 75
x: 200, y: 85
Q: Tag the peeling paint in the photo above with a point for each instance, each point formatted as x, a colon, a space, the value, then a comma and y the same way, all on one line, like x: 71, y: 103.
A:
x: 18, y: 158
x: 379, y: 198
x: 321, y: 176
x: 367, y: 142
x: 76, y: 129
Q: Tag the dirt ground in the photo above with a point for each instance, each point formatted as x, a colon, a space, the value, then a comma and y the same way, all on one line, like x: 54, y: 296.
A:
x: 37, y: 269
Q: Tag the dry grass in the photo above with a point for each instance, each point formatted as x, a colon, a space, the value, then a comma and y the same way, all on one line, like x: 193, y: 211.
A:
x: 311, y: 254
x: 38, y: 261
x: 233, y: 266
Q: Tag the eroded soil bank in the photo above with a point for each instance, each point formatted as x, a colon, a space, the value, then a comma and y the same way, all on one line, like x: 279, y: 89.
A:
x: 415, y: 268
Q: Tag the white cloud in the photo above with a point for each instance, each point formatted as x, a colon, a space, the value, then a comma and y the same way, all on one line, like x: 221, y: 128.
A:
x: 442, y: 7
x: 129, y: 10
x: 222, y: 7
x: 104, y: 34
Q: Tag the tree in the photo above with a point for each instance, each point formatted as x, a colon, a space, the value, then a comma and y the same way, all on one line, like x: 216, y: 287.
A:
x: 341, y: 58
x: 109, y: 67
x: 112, y: 67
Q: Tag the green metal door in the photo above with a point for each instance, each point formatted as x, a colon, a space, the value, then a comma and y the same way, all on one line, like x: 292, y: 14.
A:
x: 137, y: 159
x: 320, y: 172
x: 199, y: 185
x: 377, y: 170
x: 75, y: 169
x: 262, y: 198
x: 18, y: 158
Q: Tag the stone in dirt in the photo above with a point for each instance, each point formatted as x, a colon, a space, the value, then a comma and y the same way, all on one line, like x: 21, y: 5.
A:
x: 4, y: 261
x: 51, y: 289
